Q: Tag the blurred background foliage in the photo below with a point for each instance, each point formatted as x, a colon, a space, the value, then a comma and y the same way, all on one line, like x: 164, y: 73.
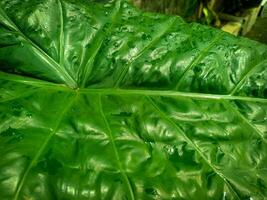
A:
x: 184, y: 8
x: 238, y: 17
x: 203, y: 11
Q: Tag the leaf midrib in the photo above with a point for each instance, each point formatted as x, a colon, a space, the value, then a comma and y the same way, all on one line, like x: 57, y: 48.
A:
x: 115, y: 91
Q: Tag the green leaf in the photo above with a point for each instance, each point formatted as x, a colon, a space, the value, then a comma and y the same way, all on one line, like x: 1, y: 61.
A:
x: 99, y: 100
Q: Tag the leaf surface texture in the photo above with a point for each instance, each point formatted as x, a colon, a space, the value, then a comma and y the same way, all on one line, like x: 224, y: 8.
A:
x: 99, y: 100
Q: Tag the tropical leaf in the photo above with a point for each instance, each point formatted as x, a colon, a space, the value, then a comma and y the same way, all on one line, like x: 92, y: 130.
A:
x: 99, y: 100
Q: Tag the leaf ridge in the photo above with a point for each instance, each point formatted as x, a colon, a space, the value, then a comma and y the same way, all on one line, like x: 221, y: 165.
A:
x: 32, y: 81
x: 124, y: 70
x: 25, y: 94
x: 43, y: 55
x: 97, y: 47
x: 111, y: 138
x: 61, y: 35
x: 190, y: 142
x: 247, y: 75
x: 197, y: 59
x: 165, y: 157
x: 241, y: 116
x: 42, y: 148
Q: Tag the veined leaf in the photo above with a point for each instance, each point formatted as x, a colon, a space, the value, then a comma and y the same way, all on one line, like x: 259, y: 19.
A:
x: 99, y: 100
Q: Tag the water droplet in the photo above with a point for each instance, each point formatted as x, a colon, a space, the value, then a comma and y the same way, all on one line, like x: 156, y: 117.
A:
x: 151, y: 191
x: 170, y: 149
x: 21, y: 44
x: 87, y: 46
x: 117, y: 44
x: 72, y: 18
x: 106, y: 27
x: 10, y: 132
x: 146, y: 37
x: 107, y: 5
x: 20, y: 138
x: 125, y: 5
x: 29, y: 115
x: 16, y: 108
x: 131, y: 44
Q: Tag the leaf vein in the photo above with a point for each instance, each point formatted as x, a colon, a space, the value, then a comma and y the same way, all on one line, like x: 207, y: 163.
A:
x: 97, y: 46
x: 244, y: 78
x: 61, y: 72
x: 25, y: 94
x: 190, y: 142
x: 197, y: 59
x: 42, y: 148
x: 61, y: 36
x: 242, y: 117
x: 124, y: 70
x: 111, y: 138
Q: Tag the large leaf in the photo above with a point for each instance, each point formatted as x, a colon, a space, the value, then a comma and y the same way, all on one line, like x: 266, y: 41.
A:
x: 99, y: 100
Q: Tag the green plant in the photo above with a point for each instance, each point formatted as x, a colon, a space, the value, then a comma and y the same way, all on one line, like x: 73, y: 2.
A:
x: 103, y: 101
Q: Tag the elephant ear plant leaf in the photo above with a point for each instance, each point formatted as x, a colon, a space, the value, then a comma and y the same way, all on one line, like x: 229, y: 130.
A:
x: 99, y: 100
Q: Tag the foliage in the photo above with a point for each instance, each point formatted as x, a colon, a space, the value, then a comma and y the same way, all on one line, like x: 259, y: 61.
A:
x: 183, y: 8
x: 103, y: 101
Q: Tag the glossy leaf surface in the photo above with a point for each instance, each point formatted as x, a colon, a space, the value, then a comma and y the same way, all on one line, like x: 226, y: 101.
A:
x: 99, y: 100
